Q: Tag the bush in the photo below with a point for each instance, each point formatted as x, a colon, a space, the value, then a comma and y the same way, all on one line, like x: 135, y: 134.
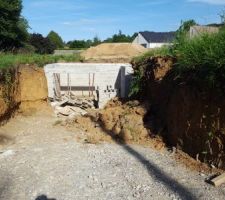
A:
x: 42, y: 45
x: 204, y: 57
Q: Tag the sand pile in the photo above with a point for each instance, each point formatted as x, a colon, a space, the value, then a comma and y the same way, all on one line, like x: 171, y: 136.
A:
x: 113, y: 51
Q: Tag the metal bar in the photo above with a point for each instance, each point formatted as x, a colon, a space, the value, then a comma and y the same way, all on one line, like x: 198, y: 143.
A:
x: 78, y: 88
x: 89, y: 84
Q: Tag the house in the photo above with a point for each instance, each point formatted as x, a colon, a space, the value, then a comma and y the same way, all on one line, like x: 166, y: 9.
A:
x: 154, y: 39
x: 199, y: 30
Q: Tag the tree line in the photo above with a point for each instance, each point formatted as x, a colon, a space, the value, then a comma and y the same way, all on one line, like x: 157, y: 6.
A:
x: 14, y: 35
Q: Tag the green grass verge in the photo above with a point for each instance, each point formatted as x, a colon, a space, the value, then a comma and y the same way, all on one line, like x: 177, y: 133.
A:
x: 163, y: 51
x: 203, y: 58
x: 11, y: 60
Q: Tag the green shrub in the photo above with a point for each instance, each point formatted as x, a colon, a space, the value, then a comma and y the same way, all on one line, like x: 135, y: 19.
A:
x: 136, y: 84
x: 204, y: 57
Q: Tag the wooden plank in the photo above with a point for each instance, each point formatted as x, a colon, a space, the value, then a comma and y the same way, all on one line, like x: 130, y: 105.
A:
x: 78, y: 88
x: 93, y: 83
x: 57, y: 85
x: 218, y: 180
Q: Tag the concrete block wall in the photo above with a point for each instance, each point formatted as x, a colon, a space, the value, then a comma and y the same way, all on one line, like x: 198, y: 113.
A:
x: 111, y: 80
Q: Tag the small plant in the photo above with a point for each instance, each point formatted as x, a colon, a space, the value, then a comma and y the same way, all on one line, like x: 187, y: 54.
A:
x: 136, y: 84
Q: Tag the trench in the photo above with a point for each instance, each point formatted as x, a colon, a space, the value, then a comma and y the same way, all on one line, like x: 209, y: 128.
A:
x: 33, y: 87
x: 28, y: 88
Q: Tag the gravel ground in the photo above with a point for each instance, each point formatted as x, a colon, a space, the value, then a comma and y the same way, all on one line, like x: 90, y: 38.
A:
x: 42, y: 162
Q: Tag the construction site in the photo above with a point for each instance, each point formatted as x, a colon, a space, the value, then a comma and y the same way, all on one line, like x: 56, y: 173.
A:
x: 72, y: 131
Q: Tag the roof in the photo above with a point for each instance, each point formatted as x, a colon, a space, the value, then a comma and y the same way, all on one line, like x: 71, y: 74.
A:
x: 158, y: 37
x: 216, y: 25
x: 205, y: 29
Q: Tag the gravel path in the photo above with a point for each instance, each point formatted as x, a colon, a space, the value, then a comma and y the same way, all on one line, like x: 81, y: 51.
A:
x: 43, y: 162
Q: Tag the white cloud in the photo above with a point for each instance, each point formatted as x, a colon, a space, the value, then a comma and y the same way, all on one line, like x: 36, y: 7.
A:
x: 213, y: 2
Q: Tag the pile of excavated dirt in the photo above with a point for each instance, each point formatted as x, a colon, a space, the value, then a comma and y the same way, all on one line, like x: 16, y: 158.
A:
x: 124, y: 123
x: 118, y: 122
x: 113, y: 52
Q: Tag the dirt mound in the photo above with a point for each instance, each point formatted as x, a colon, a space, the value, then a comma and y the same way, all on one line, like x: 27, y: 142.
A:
x: 119, y: 121
x: 113, y: 51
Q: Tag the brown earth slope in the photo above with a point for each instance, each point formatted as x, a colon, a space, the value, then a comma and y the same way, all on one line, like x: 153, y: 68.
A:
x: 188, y: 117
x: 23, y: 87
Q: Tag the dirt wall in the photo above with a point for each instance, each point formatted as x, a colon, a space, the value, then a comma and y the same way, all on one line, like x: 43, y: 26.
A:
x: 188, y: 117
x: 9, y: 92
x: 33, y: 88
x: 21, y: 88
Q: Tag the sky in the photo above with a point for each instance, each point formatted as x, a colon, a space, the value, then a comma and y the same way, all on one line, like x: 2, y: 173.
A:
x: 85, y: 19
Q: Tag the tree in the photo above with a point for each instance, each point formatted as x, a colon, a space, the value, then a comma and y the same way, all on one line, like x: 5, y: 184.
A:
x: 55, y: 39
x: 96, y: 41
x: 185, y: 25
x: 77, y: 44
x: 181, y: 33
x: 120, y: 37
x: 13, y: 27
x: 42, y: 45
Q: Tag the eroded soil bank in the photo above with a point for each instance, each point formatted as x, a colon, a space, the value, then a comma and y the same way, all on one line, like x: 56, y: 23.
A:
x: 23, y: 88
x: 188, y: 117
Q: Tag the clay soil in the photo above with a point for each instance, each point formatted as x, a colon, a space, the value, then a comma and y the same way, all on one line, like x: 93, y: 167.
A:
x: 123, y: 123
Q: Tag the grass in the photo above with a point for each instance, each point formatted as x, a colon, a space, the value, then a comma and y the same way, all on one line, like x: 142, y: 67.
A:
x: 201, y: 52
x: 11, y: 60
x: 163, y: 51
x: 203, y: 57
